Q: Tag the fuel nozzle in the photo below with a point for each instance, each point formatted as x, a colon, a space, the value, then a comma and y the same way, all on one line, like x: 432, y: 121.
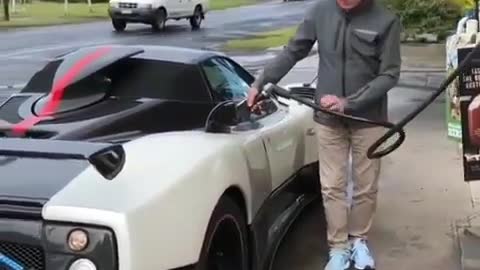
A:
x: 274, y: 90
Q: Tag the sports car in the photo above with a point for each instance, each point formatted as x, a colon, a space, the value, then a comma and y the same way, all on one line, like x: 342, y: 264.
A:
x: 147, y: 157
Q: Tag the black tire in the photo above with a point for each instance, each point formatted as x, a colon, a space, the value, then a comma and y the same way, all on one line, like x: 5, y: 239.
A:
x: 119, y: 25
x: 161, y: 19
x: 196, y: 19
x: 226, y: 241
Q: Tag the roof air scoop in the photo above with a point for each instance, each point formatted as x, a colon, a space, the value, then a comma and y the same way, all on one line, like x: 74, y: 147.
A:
x: 77, y: 81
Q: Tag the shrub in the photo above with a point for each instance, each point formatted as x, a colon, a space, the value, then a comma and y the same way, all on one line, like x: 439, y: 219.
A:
x: 466, y: 4
x: 429, y: 16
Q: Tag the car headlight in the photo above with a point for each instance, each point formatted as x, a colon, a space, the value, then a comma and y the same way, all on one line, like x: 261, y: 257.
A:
x: 77, y: 240
x: 68, y: 246
x: 114, y: 4
x: 82, y: 264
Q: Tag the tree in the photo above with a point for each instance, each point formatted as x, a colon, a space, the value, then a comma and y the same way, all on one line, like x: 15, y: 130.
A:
x: 6, y: 12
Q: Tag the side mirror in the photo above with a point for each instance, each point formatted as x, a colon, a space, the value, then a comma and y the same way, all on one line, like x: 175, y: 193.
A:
x: 222, y: 118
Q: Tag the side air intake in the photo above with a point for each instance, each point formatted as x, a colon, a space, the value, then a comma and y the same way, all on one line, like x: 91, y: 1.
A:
x: 108, y: 159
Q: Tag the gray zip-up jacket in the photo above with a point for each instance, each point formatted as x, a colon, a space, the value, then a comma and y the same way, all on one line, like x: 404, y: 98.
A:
x: 359, y: 57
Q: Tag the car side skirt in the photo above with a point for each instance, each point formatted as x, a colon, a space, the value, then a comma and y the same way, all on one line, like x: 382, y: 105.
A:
x: 278, y: 213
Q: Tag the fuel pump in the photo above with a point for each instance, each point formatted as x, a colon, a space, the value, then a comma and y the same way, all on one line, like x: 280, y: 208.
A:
x: 474, y: 121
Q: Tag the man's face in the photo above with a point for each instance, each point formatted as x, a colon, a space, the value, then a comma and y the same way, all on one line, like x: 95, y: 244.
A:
x: 349, y: 4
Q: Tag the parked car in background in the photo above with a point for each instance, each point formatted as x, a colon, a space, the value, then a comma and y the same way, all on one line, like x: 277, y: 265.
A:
x: 156, y: 12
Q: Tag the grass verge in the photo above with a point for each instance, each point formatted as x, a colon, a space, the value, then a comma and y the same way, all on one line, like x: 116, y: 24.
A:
x: 46, y: 13
x: 262, y: 41
x: 224, y: 4
x: 40, y: 13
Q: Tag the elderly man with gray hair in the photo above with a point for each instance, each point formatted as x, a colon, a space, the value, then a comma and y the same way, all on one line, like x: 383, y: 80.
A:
x: 359, y: 62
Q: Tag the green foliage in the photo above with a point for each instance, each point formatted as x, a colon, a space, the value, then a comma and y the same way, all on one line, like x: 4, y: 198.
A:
x: 76, y: 1
x: 466, y: 4
x: 429, y: 16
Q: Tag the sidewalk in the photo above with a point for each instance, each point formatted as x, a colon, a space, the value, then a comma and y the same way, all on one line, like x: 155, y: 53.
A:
x: 423, y: 66
x: 422, y: 197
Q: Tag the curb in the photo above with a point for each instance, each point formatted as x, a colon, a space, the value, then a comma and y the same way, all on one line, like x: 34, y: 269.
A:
x: 405, y: 68
x: 467, y: 232
x: 272, y: 53
x: 428, y: 78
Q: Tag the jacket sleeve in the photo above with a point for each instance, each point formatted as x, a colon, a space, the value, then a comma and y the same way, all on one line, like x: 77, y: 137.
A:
x: 297, y: 48
x: 388, y: 75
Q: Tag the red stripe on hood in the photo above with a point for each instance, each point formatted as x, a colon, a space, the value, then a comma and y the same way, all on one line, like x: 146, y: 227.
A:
x: 58, y: 91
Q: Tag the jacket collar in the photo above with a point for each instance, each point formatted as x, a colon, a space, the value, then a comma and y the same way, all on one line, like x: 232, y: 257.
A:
x: 364, y: 6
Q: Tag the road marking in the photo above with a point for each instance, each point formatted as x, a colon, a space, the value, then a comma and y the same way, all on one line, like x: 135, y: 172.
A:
x: 33, y: 51
x: 13, y: 86
x: 53, y: 48
x: 27, y: 57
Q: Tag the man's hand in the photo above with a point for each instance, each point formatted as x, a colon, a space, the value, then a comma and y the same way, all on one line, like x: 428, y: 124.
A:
x: 252, y: 96
x: 333, y: 103
x: 328, y: 101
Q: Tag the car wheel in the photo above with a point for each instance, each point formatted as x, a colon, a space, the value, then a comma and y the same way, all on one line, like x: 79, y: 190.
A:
x: 226, y: 241
x: 119, y: 25
x: 160, y: 20
x: 197, y: 18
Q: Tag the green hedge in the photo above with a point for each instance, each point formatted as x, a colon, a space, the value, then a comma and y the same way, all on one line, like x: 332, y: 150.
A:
x: 428, y: 16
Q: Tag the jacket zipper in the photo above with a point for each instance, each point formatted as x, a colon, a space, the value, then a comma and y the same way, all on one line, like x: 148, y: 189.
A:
x: 347, y: 22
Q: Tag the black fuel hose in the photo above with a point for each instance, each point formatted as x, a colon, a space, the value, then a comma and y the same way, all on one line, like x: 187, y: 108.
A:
x: 279, y: 91
x: 392, y: 128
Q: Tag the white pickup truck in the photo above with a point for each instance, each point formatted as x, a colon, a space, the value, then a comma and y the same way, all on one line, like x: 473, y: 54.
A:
x: 156, y: 12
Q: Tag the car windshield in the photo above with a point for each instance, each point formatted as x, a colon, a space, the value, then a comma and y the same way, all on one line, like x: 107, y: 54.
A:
x: 132, y: 77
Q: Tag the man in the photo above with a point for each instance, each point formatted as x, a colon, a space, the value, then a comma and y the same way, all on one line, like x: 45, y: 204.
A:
x: 359, y: 62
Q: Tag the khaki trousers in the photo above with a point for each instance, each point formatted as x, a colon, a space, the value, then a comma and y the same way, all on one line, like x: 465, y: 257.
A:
x: 334, y: 145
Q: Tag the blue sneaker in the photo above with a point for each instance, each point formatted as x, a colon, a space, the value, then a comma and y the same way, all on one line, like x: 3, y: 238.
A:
x: 339, y: 259
x: 361, y: 255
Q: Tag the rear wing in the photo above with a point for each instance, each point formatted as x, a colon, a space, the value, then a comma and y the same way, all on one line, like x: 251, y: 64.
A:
x: 108, y: 159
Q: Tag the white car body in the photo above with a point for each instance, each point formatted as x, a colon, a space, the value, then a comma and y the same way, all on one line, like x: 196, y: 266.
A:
x: 150, y: 206
x: 214, y: 163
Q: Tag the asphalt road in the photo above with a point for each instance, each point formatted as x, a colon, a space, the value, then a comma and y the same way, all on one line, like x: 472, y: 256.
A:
x: 22, y: 52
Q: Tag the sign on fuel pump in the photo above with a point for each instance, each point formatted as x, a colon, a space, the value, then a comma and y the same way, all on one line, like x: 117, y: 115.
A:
x: 465, y: 37
x: 463, y: 94
x: 469, y: 105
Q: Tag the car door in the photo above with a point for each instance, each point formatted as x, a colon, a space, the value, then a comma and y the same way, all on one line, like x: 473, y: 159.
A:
x: 285, y: 134
x: 174, y: 8
x: 281, y: 131
x: 189, y: 6
x: 284, y: 140
x: 185, y: 7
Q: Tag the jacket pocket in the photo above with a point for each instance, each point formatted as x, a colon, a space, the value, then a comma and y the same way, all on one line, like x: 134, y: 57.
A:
x: 364, y: 42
